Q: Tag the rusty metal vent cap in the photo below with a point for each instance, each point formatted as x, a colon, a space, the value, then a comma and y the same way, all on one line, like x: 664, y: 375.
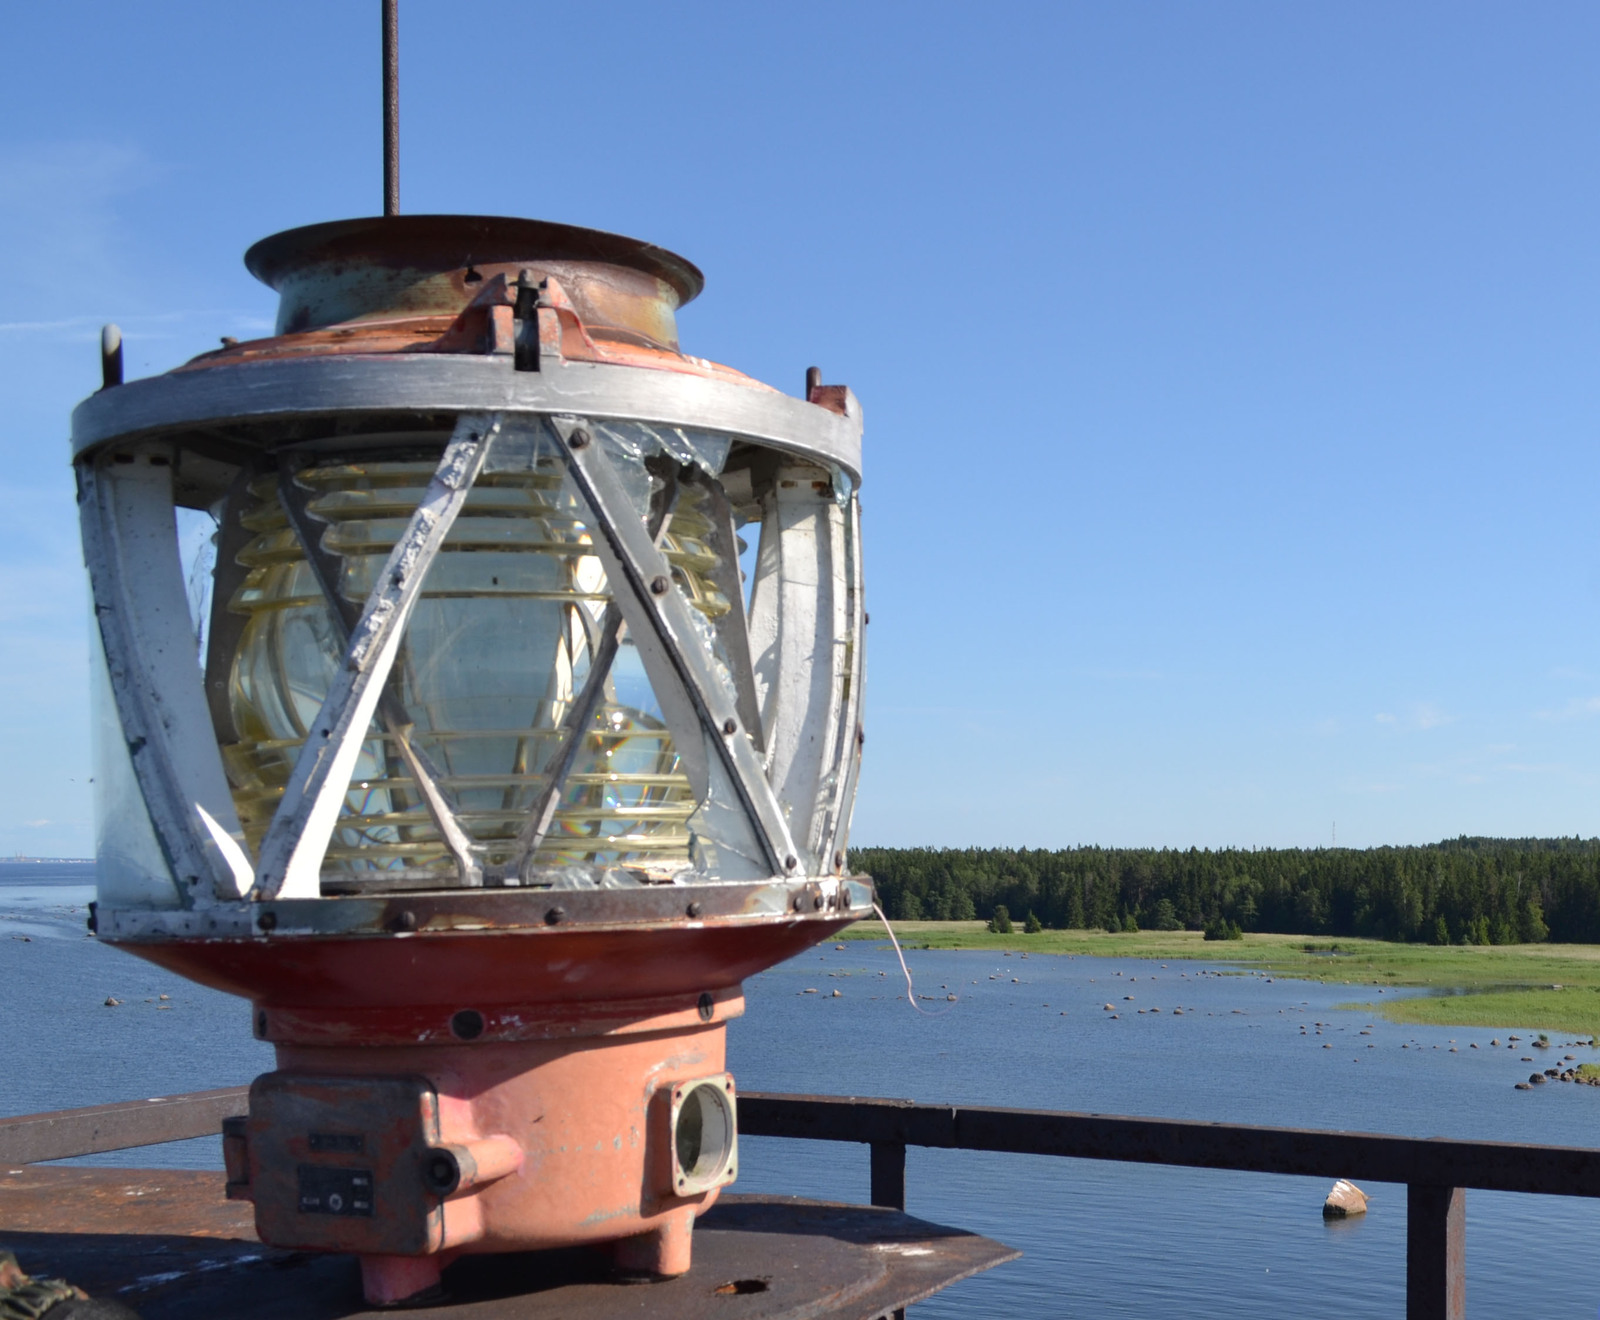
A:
x: 345, y: 270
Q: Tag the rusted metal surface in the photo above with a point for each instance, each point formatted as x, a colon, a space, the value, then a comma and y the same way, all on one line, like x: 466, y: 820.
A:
x: 399, y: 266
x: 828, y: 902
x: 165, y: 1243
x: 30, y: 1138
x: 483, y: 970
x: 1436, y: 1253
x: 1500, y: 1166
x: 339, y: 1164
x: 136, y: 1202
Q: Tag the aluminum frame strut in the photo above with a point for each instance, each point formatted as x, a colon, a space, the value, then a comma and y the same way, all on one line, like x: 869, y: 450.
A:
x: 290, y: 864
x: 392, y: 714
x: 659, y: 612
x: 130, y: 547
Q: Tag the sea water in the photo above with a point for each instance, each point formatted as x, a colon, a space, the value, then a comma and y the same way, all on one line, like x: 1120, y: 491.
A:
x: 1100, y: 1239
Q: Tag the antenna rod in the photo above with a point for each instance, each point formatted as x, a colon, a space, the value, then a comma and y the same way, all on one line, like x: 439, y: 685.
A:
x: 391, y: 107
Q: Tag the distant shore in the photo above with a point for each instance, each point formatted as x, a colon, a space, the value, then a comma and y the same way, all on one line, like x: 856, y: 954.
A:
x: 1539, y: 987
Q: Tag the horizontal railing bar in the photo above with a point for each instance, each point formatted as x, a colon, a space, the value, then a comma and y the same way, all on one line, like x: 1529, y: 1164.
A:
x: 1373, y: 1157
x: 63, y: 1133
x: 1435, y: 1161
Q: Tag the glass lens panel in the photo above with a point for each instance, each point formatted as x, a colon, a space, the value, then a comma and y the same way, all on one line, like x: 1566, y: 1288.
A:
x: 501, y: 644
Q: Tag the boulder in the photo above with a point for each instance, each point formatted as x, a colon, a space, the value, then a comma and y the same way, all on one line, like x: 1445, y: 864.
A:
x: 1538, y: 1079
x: 1344, y: 1200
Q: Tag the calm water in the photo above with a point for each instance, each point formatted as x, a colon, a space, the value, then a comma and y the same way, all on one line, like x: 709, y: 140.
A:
x: 1100, y: 1239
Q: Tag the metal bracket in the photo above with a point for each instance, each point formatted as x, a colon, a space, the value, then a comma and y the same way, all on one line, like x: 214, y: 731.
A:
x: 290, y: 864
x: 658, y: 611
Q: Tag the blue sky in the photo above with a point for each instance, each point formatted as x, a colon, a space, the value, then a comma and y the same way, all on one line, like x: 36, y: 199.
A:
x: 1229, y: 369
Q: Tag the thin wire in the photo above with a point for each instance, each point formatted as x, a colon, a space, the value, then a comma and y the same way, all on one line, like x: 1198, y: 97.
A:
x: 911, y: 993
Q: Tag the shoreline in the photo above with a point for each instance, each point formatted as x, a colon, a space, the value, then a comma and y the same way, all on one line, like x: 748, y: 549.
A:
x: 1536, y: 987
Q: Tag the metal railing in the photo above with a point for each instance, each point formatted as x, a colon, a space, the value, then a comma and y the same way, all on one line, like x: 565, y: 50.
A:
x: 1437, y: 1171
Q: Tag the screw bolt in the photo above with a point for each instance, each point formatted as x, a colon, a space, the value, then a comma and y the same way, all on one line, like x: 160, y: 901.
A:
x: 580, y: 439
x: 658, y: 586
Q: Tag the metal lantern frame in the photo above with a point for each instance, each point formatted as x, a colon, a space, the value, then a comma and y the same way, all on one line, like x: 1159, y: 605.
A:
x: 784, y: 732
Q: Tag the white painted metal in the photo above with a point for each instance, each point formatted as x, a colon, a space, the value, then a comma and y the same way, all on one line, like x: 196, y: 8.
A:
x: 290, y: 865
x: 695, y: 702
x: 835, y: 808
x: 130, y: 544
x: 800, y: 636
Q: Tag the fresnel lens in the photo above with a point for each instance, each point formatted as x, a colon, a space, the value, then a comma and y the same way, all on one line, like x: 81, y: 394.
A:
x: 480, y: 698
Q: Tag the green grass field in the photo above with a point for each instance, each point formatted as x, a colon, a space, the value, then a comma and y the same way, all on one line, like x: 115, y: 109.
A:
x: 1537, y: 987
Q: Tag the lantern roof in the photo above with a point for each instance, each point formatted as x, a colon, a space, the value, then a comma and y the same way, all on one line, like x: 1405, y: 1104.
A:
x: 407, y: 265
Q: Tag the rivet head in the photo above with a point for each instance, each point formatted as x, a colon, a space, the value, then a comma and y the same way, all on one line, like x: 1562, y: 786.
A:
x: 267, y: 920
x: 844, y: 898
x: 816, y: 901
x: 838, y: 859
x: 730, y: 727
x: 799, y: 902
x: 707, y: 1006
x: 580, y: 438
x: 790, y: 862
x: 658, y: 586
x: 694, y: 909
x: 405, y: 919
x: 555, y: 916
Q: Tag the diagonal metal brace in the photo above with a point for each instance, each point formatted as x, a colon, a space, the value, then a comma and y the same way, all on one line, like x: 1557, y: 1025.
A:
x: 645, y: 583
x: 290, y: 864
x: 326, y: 567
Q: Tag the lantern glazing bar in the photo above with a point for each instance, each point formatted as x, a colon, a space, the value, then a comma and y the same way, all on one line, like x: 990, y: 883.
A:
x: 682, y: 668
x: 297, y: 840
x: 838, y: 798
x: 130, y: 547
x: 800, y: 624
x: 327, y: 569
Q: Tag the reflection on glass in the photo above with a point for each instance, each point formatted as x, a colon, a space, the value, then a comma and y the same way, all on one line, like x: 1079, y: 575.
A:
x: 499, y: 646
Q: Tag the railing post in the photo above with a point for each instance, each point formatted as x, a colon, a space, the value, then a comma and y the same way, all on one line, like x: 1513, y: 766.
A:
x: 1436, y: 1252
x: 889, y: 1174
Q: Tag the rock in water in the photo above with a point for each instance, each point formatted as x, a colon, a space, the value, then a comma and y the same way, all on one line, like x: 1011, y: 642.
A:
x: 1344, y: 1200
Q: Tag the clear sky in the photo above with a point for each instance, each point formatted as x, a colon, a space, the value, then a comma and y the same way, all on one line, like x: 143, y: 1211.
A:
x: 1229, y: 368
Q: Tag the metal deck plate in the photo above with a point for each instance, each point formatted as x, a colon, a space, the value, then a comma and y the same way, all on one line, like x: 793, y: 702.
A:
x: 166, y: 1243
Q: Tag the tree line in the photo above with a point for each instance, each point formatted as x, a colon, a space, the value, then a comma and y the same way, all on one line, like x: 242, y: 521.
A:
x: 1460, y: 891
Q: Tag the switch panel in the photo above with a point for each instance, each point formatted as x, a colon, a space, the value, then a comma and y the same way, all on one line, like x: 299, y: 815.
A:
x: 337, y: 1163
